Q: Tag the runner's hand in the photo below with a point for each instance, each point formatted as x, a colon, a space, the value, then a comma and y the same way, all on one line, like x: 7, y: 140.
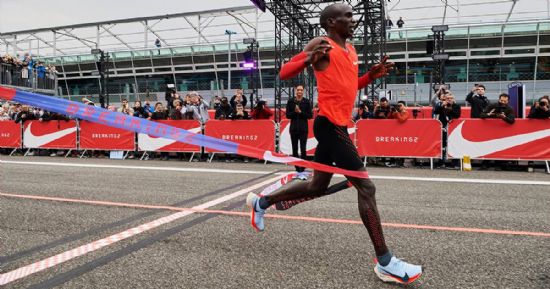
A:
x: 381, y: 69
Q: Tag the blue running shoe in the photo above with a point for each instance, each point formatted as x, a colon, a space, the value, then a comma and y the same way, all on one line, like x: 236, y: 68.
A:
x: 398, y: 271
x: 257, y: 215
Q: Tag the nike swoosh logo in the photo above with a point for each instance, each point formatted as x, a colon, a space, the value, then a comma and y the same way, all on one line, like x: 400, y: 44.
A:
x: 404, y: 278
x: 459, y: 146
x: 148, y: 143
x: 268, y: 156
x: 33, y: 141
x: 285, y: 143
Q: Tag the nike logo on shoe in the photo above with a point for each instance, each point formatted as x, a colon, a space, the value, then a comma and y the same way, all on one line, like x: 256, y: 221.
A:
x: 459, y: 146
x: 405, y: 278
x: 34, y: 141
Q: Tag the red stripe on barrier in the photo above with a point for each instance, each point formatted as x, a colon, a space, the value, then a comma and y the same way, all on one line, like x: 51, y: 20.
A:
x: 7, y: 93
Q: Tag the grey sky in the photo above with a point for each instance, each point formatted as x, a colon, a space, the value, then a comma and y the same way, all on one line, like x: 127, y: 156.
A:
x: 16, y: 15
x: 47, y: 13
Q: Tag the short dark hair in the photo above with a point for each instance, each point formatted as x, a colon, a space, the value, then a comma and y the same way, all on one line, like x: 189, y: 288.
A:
x: 383, y: 99
x: 481, y: 85
x: 504, y: 95
x: 402, y: 102
x: 327, y: 13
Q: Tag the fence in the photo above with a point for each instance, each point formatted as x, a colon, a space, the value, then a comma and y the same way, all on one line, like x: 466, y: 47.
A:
x: 526, y: 139
x: 34, y: 78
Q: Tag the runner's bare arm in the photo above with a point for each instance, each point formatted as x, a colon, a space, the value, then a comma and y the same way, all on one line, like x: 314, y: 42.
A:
x: 314, y: 53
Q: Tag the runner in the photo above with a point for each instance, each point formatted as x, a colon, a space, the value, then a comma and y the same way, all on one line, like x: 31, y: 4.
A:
x: 335, y: 64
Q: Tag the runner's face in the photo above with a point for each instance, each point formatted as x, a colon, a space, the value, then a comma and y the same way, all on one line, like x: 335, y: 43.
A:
x: 344, y: 24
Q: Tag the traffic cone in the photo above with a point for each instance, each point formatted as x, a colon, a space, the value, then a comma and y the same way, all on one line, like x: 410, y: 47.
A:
x: 466, y: 163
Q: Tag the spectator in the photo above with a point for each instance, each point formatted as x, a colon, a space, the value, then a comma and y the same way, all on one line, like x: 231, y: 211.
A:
x: 540, y: 110
x: 224, y: 110
x: 215, y: 102
x: 500, y: 110
x: 400, y: 24
x: 477, y: 100
x: 298, y: 110
x: 239, y: 113
x: 445, y: 111
x: 363, y: 111
x: 238, y: 98
x: 261, y: 111
x: 400, y: 112
x: 439, y: 96
x: 140, y: 111
x: 175, y: 113
x: 24, y: 115
x: 158, y: 45
x: 125, y: 108
x: 112, y: 108
x: 148, y: 108
x: 382, y: 110
x: 4, y: 115
x: 197, y: 107
x: 160, y: 114
x: 389, y: 25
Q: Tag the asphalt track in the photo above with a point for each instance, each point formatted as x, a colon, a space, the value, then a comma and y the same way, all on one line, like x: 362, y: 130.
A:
x: 468, y: 229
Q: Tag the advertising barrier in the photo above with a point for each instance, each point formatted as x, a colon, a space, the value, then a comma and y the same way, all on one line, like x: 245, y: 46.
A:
x: 526, y: 139
x: 158, y: 144
x: 285, y: 143
x: 54, y: 134
x: 389, y: 138
x: 10, y: 134
x: 256, y: 133
x: 94, y: 136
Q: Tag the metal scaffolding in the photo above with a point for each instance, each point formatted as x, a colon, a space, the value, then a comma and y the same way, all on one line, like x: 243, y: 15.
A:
x: 297, y: 22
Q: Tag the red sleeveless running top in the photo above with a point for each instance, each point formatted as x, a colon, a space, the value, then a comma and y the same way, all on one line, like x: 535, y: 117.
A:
x: 337, y: 85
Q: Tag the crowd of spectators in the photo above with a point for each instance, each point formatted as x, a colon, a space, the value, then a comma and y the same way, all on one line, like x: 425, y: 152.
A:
x: 26, y: 71
x: 194, y: 107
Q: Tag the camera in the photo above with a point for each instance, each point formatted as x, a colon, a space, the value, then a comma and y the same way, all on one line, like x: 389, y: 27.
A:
x: 543, y: 103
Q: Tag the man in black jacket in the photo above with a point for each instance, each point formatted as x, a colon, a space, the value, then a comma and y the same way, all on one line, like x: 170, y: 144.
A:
x: 500, y: 110
x: 541, y: 108
x: 298, y: 110
x: 445, y: 111
x: 477, y: 100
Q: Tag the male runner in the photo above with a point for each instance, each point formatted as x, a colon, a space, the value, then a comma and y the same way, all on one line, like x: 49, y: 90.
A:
x: 335, y: 64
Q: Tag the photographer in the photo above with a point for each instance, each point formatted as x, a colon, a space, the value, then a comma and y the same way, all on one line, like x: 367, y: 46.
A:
x: 447, y: 110
x: 382, y: 110
x: 197, y: 107
x: 298, y: 110
x: 238, y: 98
x: 500, y: 110
x: 224, y: 110
x: 477, y: 100
x: 261, y: 111
x: 363, y: 111
x: 541, y: 109
x: 140, y: 111
x: 400, y: 112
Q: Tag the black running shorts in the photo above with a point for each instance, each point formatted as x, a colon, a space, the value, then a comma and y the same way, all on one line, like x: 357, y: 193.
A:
x: 335, y: 146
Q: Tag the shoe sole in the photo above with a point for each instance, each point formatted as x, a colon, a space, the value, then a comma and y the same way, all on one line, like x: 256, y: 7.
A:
x: 392, y: 279
x: 250, y: 204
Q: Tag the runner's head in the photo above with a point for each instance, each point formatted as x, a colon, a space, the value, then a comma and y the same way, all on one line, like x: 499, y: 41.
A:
x: 338, y: 18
